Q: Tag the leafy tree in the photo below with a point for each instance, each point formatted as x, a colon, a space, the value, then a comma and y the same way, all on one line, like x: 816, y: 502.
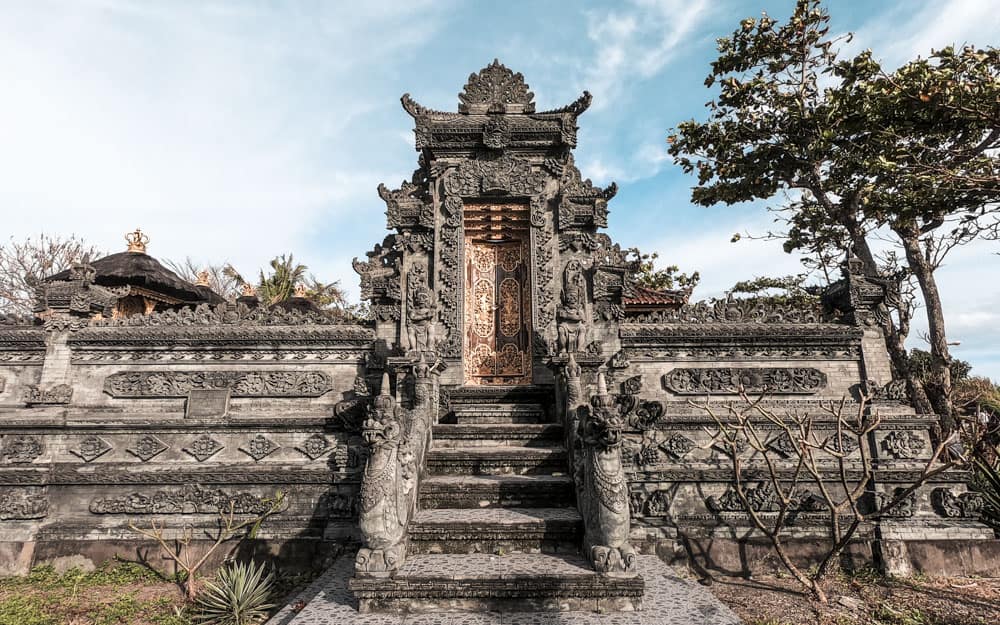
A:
x: 646, y: 274
x: 286, y: 275
x: 23, y: 265
x: 785, y: 290
x: 855, y: 152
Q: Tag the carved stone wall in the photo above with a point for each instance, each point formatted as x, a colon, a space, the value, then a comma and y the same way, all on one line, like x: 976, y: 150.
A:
x: 141, y: 432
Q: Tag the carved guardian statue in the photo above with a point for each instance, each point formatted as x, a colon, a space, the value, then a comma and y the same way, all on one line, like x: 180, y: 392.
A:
x: 603, y: 489
x: 385, y: 486
x: 572, y: 311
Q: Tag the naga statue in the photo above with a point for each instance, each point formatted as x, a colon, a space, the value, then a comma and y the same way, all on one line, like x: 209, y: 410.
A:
x: 602, y: 487
x: 386, y: 486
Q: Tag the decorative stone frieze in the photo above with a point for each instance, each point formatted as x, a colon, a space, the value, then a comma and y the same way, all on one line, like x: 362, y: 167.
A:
x: 58, y: 394
x: 91, y: 448
x: 21, y: 449
x: 735, y: 310
x: 314, y: 446
x: 192, y: 499
x: 903, y: 444
x: 946, y: 503
x: 147, y: 448
x: 677, y: 446
x: 203, y: 448
x: 259, y: 447
x: 233, y: 315
x: 23, y: 504
x: 730, y: 380
x: 165, y: 384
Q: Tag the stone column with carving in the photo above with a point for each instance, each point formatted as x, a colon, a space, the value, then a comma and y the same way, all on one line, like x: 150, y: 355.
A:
x: 397, y: 438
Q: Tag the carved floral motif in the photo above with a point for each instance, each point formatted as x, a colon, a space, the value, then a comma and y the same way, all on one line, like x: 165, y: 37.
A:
x: 58, y: 394
x: 147, y: 447
x: 191, y: 499
x: 314, y: 446
x: 730, y: 380
x: 23, y: 504
x: 91, y: 448
x: 496, y: 89
x: 21, y: 449
x: 903, y: 444
x: 240, y: 383
x: 968, y: 505
x: 203, y: 448
x: 259, y: 447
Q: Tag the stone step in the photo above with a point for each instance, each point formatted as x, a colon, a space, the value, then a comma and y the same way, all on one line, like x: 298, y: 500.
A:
x: 483, y: 582
x: 496, y: 491
x: 497, y: 413
x: 496, y: 460
x: 472, y: 395
x: 491, y: 435
x: 496, y: 530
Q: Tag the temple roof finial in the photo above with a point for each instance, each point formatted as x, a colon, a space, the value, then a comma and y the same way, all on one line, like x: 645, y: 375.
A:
x: 137, y: 241
x: 496, y: 89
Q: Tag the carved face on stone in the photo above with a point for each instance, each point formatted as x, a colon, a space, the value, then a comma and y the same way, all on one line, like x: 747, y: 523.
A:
x: 601, y: 425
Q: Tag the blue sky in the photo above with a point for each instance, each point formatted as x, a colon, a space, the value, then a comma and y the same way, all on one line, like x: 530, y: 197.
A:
x: 237, y: 131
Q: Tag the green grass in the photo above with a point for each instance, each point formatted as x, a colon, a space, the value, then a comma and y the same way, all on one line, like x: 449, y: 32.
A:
x: 44, y: 597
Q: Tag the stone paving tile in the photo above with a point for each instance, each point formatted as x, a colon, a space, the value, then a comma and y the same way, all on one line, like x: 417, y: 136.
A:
x: 496, y: 516
x: 669, y: 600
x: 451, y: 566
x: 522, y: 564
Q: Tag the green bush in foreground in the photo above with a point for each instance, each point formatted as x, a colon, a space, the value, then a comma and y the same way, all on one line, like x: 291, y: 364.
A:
x: 238, y: 596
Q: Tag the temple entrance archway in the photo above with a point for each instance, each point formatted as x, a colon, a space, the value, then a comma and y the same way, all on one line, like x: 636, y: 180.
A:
x: 497, y: 288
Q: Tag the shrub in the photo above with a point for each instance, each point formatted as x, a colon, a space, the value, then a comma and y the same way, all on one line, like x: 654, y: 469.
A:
x: 238, y: 596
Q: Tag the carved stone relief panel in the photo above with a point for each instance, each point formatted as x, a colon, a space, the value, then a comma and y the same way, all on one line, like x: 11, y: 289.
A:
x: 20, y: 449
x: 729, y: 380
x: 241, y: 383
x: 91, y: 448
x: 23, y: 503
x: 191, y: 499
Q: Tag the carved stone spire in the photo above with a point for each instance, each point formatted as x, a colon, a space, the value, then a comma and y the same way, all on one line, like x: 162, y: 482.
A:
x: 496, y: 89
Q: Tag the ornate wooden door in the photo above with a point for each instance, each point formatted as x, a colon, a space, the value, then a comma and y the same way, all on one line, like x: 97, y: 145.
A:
x: 497, y: 312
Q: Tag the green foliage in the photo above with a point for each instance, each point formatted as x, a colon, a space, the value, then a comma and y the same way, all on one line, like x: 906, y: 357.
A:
x: 285, y: 275
x: 26, y: 610
x: 646, y: 274
x: 785, y: 290
x: 920, y: 366
x: 238, y: 596
x: 45, y: 597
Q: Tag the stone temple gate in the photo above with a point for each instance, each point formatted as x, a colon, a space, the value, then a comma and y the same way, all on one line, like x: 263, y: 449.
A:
x: 512, y: 428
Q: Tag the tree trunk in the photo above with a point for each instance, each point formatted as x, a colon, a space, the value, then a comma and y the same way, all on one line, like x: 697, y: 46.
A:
x: 895, y: 338
x: 939, y: 383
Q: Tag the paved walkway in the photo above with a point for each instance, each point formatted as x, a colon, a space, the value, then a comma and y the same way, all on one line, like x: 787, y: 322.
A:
x: 669, y: 600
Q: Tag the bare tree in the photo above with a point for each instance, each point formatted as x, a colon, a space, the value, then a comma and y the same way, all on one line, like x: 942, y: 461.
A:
x: 178, y: 549
x: 24, y: 264
x: 809, y: 472
x: 218, y: 276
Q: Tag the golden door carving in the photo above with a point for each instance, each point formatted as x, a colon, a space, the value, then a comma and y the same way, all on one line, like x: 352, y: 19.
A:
x: 497, y: 312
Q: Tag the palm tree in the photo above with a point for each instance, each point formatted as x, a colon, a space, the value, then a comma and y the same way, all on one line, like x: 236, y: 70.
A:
x: 280, y: 285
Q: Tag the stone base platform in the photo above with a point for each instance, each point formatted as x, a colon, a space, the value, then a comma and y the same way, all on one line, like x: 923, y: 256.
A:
x: 480, y: 582
x: 667, y: 600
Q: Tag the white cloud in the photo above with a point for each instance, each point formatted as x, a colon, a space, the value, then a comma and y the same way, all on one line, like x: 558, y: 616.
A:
x: 912, y: 29
x: 225, y: 131
x: 636, y: 42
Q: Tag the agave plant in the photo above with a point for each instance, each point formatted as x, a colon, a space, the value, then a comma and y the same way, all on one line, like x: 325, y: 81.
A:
x: 238, y: 596
x: 988, y: 482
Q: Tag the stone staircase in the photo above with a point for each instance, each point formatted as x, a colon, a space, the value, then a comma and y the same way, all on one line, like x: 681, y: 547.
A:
x: 497, y: 527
